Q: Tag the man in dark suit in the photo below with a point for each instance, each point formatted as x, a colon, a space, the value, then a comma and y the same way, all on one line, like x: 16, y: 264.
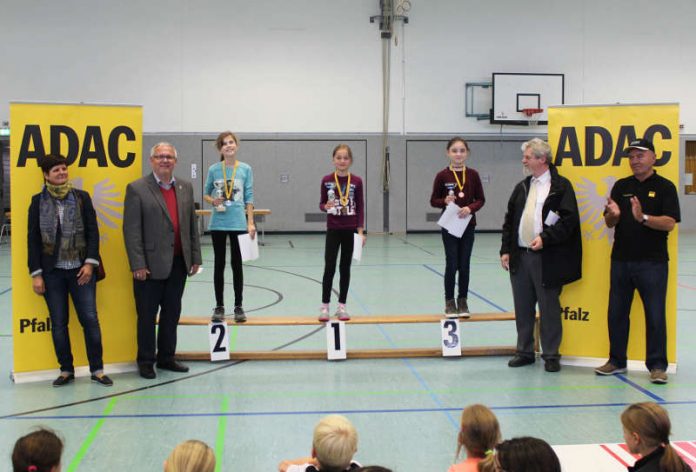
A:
x: 163, y: 246
x: 542, y: 249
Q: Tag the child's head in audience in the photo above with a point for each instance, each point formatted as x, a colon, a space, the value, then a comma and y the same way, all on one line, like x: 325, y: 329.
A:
x: 335, y: 442
x: 523, y: 454
x: 191, y: 456
x: 479, y: 431
x: 646, y: 428
x: 38, y: 451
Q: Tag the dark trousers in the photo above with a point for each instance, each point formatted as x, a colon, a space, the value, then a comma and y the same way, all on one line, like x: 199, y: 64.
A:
x: 527, y: 291
x: 650, y: 279
x: 59, y: 284
x: 335, y: 239
x: 162, y: 295
x: 219, y: 249
x: 457, y: 259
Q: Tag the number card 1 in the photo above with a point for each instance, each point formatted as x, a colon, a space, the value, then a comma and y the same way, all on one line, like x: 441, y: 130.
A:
x: 450, y: 337
x: 219, y: 342
x: 336, y: 340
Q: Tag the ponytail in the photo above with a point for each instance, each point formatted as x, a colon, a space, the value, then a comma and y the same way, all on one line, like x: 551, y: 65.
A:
x: 671, y: 462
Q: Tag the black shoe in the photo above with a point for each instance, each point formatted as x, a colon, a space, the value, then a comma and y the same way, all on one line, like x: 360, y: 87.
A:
x: 463, y: 308
x: 172, y: 365
x: 239, y: 315
x: 147, y: 371
x: 519, y: 361
x: 102, y: 380
x: 63, y: 380
x: 552, y: 365
x: 218, y: 314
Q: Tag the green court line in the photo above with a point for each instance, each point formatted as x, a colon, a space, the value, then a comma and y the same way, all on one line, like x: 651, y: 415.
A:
x: 233, y: 338
x: 90, y: 437
x: 220, y: 436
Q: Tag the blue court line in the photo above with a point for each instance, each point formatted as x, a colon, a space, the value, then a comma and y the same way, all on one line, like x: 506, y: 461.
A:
x: 481, y: 297
x: 409, y: 365
x: 645, y: 391
x: 5, y: 291
x: 329, y: 412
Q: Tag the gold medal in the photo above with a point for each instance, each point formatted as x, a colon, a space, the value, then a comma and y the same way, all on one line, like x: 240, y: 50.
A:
x: 460, y: 185
x: 343, y: 198
x: 229, y: 190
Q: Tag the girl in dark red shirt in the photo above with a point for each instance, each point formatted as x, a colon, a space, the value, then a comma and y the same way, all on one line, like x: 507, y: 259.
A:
x: 461, y: 186
x: 342, y: 200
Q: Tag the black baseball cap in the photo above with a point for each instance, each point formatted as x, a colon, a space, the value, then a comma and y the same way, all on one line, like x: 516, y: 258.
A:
x: 642, y: 144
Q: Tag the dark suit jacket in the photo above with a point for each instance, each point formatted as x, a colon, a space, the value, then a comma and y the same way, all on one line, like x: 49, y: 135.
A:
x: 148, y: 230
x: 46, y: 262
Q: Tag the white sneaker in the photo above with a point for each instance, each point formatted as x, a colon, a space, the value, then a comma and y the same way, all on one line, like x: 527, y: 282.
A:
x: 342, y: 313
x: 324, y: 312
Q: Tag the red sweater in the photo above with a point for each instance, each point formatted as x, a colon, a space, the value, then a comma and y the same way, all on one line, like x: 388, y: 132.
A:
x: 473, y: 190
x: 170, y: 200
x: 352, y: 215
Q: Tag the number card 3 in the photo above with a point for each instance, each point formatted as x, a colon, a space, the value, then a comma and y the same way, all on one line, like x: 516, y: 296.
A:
x: 219, y: 342
x: 451, y: 345
x: 336, y: 340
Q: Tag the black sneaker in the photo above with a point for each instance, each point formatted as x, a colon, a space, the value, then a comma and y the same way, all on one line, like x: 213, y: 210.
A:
x: 63, y: 380
x: 102, y: 380
x: 552, y: 365
x: 451, y: 309
x: 239, y: 315
x: 463, y: 308
x: 218, y: 314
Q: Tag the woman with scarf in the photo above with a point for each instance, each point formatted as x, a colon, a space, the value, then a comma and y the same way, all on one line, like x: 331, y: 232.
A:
x: 63, y: 253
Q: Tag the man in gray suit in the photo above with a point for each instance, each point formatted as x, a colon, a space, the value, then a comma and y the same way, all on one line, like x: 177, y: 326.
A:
x: 163, y: 246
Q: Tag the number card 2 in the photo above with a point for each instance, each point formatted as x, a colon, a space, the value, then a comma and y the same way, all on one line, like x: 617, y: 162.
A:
x: 336, y: 340
x: 219, y: 342
x: 451, y: 345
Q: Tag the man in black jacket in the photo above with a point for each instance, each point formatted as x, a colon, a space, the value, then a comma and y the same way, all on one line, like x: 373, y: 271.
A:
x: 542, y: 250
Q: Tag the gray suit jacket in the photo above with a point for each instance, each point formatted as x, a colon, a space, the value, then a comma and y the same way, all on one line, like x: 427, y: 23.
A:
x: 148, y: 230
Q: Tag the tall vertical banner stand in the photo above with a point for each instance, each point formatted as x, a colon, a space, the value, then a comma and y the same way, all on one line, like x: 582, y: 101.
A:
x: 103, y: 146
x: 588, y: 144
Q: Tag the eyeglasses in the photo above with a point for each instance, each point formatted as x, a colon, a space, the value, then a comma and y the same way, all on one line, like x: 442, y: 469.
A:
x: 162, y: 157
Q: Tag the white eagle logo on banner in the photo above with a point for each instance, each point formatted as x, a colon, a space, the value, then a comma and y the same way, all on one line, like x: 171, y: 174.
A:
x: 591, y: 203
x: 108, y: 204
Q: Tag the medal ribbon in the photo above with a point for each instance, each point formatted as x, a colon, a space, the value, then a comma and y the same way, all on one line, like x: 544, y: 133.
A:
x: 460, y: 185
x: 229, y: 191
x: 341, y: 197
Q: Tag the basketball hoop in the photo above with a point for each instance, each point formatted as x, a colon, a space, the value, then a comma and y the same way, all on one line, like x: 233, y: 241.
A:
x: 533, y: 115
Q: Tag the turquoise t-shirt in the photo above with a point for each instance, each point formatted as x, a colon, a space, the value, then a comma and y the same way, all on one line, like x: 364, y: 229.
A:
x: 234, y: 216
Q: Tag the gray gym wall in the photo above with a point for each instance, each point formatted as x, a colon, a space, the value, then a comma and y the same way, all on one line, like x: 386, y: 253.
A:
x: 294, y: 78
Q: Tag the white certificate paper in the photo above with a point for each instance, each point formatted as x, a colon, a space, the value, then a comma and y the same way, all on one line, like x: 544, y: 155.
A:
x: 357, y: 246
x: 248, y: 247
x: 451, y: 222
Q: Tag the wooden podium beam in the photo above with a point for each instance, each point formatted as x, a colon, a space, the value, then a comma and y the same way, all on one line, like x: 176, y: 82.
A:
x: 381, y: 319
x: 352, y: 354
x: 356, y: 353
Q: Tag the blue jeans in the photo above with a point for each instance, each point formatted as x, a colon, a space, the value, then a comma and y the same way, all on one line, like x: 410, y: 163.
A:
x: 59, y: 284
x: 650, y: 279
x: 457, y: 259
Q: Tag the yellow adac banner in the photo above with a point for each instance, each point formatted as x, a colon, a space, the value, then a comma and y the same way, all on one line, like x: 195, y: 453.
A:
x: 588, y: 144
x: 103, y: 145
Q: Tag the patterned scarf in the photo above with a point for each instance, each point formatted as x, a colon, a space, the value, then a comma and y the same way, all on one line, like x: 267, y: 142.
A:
x: 72, y: 242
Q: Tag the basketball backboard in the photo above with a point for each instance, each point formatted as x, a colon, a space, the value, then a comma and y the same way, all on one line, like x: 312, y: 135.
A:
x: 514, y: 92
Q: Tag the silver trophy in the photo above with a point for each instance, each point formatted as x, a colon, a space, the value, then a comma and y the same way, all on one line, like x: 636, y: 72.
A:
x: 219, y: 193
x: 331, y: 197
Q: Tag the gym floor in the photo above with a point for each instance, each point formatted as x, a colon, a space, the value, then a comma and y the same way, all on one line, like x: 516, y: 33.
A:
x: 406, y: 411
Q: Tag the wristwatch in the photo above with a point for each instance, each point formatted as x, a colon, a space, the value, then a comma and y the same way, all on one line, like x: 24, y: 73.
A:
x: 645, y: 219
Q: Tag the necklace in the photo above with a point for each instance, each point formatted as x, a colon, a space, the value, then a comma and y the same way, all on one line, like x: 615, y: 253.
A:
x: 460, y: 185
x: 228, y: 191
x: 343, y: 198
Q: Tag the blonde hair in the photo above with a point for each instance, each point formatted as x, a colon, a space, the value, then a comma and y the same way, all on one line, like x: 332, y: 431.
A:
x: 651, y: 422
x: 191, y: 456
x: 479, y: 431
x: 335, y: 442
